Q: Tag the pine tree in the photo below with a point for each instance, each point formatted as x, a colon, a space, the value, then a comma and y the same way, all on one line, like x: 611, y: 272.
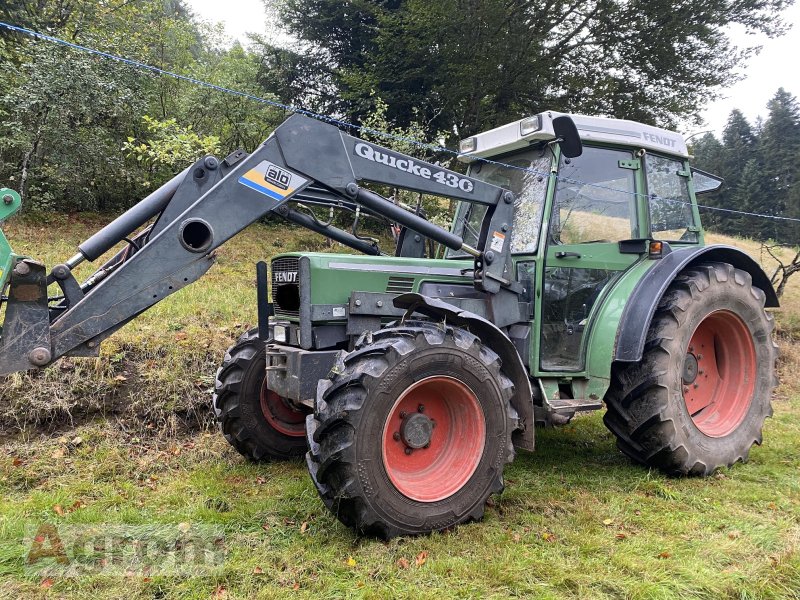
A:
x: 780, y: 147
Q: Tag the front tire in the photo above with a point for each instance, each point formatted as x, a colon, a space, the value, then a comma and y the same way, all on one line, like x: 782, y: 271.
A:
x: 257, y: 422
x: 411, y: 433
x: 699, y: 397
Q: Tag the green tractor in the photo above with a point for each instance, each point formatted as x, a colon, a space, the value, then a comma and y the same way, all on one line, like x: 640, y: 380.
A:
x: 575, y: 275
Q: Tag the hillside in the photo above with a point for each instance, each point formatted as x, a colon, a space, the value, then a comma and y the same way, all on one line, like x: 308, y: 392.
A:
x: 125, y: 439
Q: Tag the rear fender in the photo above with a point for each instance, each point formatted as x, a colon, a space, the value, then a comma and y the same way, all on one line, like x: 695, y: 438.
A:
x: 644, y: 298
x: 492, y: 336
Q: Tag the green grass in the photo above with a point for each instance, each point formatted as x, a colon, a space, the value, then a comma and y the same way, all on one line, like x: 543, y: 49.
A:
x: 577, y: 519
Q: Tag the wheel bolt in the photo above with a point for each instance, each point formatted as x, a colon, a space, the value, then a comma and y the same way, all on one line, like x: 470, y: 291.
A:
x: 685, y: 389
x: 700, y: 372
x: 403, y: 414
x: 421, y: 408
x: 699, y: 357
x: 396, y: 436
x: 691, y: 348
x: 696, y: 386
x: 408, y: 450
x: 428, y: 445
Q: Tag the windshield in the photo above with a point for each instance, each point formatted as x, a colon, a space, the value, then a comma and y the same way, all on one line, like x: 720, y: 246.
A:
x: 528, y: 181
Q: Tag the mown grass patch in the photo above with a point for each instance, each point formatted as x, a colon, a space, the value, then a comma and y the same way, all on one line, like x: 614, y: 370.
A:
x: 122, y: 439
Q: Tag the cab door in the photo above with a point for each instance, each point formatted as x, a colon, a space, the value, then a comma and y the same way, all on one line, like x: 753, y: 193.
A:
x: 594, y: 207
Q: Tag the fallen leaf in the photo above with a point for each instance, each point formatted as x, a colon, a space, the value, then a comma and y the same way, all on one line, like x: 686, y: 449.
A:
x: 665, y: 555
x: 422, y: 558
x: 772, y: 506
x: 548, y: 537
x: 46, y: 583
x: 17, y: 461
x: 517, y: 537
x: 181, y: 335
x: 607, y: 522
x: 351, y: 562
x: 296, y: 585
x: 58, y: 510
x: 403, y: 563
x: 77, y: 441
x: 260, y: 480
x: 58, y: 453
x: 621, y: 536
x: 120, y: 378
x: 147, y: 579
x: 734, y: 534
x: 220, y: 592
x: 265, y: 526
x: 258, y: 571
x: 304, y: 527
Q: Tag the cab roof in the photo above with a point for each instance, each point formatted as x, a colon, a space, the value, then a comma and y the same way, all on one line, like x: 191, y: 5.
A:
x: 539, y: 127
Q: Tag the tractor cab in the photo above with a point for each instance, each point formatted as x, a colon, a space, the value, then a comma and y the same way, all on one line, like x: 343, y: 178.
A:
x: 581, y: 221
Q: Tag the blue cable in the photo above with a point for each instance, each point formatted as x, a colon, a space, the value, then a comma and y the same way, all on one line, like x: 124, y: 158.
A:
x: 341, y: 123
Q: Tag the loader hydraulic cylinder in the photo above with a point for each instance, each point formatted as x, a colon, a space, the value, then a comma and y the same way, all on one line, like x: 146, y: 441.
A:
x: 110, y: 235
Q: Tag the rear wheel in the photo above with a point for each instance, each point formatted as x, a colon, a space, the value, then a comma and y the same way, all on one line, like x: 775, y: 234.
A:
x: 412, y: 432
x: 699, y: 397
x: 255, y: 420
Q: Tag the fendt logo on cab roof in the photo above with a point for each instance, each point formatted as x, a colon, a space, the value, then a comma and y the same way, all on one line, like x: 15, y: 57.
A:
x: 659, y: 139
x: 408, y: 165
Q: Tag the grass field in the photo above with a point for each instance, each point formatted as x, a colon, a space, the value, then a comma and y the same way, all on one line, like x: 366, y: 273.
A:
x: 124, y: 439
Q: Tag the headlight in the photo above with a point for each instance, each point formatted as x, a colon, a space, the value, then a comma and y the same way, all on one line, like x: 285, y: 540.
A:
x: 530, y: 125
x: 279, y: 333
x: 468, y: 145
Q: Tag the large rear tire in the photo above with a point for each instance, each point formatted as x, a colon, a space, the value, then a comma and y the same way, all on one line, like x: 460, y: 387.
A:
x: 412, y: 431
x: 257, y: 422
x: 699, y: 397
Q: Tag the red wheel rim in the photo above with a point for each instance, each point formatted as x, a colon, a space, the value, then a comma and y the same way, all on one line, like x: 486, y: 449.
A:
x: 439, y: 470
x: 719, y: 373
x: 280, y: 415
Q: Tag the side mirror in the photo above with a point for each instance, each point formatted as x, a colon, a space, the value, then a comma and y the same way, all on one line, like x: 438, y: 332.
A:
x: 567, y: 135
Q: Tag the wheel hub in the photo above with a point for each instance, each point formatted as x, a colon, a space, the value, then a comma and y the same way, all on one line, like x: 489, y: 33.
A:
x: 416, y: 430
x: 689, y: 368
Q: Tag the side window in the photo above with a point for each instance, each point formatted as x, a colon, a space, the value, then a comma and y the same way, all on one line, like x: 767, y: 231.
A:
x: 670, y: 204
x: 595, y: 198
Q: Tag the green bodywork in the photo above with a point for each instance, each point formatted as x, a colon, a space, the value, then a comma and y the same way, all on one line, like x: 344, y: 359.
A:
x: 10, y: 203
x: 333, y: 277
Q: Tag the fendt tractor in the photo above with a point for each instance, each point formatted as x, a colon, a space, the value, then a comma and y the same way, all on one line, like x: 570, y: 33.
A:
x: 575, y: 275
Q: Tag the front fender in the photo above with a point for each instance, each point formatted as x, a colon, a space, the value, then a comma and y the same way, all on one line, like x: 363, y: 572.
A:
x: 641, y: 306
x: 492, y: 336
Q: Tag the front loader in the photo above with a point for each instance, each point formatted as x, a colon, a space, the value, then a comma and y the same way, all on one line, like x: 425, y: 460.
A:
x: 575, y: 274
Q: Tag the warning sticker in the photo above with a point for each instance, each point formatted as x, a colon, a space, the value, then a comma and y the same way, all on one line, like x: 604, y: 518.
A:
x: 271, y: 180
x: 498, y: 239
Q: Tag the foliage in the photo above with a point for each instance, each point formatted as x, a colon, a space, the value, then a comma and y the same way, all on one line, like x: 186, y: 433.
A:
x: 78, y: 132
x: 169, y: 146
x: 761, y: 171
x: 470, y: 65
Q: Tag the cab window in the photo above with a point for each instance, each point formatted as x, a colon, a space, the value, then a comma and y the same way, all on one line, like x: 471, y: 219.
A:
x: 595, y: 198
x: 671, y: 217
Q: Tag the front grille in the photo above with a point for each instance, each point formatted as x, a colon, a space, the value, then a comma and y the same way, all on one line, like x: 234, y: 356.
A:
x: 400, y: 285
x: 285, y: 274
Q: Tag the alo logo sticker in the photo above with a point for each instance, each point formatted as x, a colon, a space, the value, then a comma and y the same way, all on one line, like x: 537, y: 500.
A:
x: 271, y: 180
x: 278, y: 177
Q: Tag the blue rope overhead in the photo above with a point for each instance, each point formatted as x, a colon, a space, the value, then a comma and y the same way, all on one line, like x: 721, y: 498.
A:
x: 345, y: 124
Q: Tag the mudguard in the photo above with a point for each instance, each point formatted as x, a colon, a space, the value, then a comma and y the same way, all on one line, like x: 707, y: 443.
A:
x: 641, y: 306
x: 492, y: 336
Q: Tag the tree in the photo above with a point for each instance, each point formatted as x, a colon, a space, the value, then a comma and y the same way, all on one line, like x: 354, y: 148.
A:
x: 780, y: 146
x: 470, y: 65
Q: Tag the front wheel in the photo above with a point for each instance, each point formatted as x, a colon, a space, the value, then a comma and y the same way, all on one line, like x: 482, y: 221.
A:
x: 255, y: 420
x: 413, y: 431
x: 698, y: 399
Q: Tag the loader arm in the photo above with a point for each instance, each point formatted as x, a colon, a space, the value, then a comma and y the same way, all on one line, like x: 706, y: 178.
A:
x: 209, y: 203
